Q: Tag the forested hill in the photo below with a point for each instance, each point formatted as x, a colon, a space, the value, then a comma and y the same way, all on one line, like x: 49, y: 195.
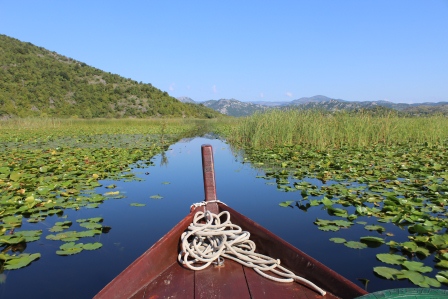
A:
x: 37, y: 82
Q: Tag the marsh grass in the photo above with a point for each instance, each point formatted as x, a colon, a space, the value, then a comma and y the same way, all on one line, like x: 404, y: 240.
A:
x: 315, y: 129
x: 322, y: 130
x: 100, y: 123
x: 23, y: 129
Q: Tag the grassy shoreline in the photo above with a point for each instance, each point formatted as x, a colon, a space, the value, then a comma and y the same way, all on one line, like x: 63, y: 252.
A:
x: 313, y: 129
x: 322, y: 130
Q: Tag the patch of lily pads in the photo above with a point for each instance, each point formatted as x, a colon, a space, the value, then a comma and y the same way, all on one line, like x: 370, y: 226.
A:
x: 71, y: 248
x: 16, y: 242
x: 403, y: 185
x: 413, y: 270
x: 92, y: 227
x: 43, y: 173
x: 13, y: 262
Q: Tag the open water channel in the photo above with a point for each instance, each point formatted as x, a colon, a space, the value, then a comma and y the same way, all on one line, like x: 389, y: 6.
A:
x: 176, y: 177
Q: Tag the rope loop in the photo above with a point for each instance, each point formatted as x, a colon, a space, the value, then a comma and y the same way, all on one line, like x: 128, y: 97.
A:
x: 210, y: 237
x: 204, y: 203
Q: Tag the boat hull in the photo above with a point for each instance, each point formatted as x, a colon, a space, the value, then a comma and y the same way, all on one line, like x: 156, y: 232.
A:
x: 157, y: 273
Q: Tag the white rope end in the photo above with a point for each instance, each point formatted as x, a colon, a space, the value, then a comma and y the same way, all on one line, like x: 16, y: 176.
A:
x: 219, y: 237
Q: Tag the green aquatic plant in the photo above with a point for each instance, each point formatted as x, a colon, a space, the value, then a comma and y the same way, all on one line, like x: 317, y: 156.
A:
x: 48, y: 167
x: 17, y: 261
x: 322, y: 130
x: 338, y: 240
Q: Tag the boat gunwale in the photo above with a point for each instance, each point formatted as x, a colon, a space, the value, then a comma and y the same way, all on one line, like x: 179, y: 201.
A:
x: 147, y: 267
x: 296, y: 260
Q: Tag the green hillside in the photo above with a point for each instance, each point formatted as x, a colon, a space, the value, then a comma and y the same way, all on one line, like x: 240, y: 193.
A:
x: 35, y: 82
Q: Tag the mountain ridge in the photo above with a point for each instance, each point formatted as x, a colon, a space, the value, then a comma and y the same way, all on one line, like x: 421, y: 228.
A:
x: 36, y: 82
x: 237, y: 108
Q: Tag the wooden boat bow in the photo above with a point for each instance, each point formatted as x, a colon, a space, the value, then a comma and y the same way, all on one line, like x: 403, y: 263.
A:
x: 158, y: 274
x: 208, y: 171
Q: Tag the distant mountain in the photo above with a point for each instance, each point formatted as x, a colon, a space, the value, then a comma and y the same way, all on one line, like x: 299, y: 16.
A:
x: 270, y: 104
x: 237, y: 108
x: 314, y: 99
x: 427, y: 108
x: 324, y: 103
x: 35, y: 82
x: 186, y: 100
x: 234, y: 107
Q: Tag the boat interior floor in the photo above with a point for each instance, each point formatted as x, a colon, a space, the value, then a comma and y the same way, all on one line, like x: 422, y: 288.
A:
x: 232, y: 280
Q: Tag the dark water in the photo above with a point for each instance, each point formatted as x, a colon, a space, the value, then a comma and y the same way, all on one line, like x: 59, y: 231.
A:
x: 135, y: 229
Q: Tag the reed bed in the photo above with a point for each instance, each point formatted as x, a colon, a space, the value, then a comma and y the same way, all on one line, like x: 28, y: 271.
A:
x: 100, y: 125
x: 322, y: 130
x: 56, y: 123
x: 32, y: 129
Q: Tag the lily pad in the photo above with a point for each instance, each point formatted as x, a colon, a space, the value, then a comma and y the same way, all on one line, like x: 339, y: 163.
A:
x: 70, y: 248
x: 337, y: 211
x: 15, y: 176
x: 416, y: 278
x: 355, y: 245
x: 442, y: 277
x: 92, y: 246
x: 112, y: 193
x: 44, y: 190
x: 330, y: 227
x: 13, y: 220
x: 93, y: 219
x: 372, y: 239
x: 386, y: 272
x: 20, y: 261
x: 392, y: 259
x: 343, y: 223
x: 11, y: 239
x: 442, y: 264
x: 30, y: 235
x: 65, y: 236
x: 5, y: 170
x: 338, y: 240
x: 88, y: 233
x: 416, y: 266
x: 286, y: 203
x: 90, y: 225
x: 378, y: 228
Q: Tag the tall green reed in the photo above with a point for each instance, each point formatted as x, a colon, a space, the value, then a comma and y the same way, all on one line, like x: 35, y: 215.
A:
x: 322, y: 129
x: 32, y: 128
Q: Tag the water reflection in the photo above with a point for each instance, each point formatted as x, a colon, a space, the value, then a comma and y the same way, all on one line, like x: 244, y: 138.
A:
x: 164, y: 159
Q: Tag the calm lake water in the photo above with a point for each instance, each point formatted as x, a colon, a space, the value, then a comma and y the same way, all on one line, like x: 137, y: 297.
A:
x: 177, y: 177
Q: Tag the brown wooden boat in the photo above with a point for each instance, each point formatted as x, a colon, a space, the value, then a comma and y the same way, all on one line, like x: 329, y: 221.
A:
x: 158, y: 274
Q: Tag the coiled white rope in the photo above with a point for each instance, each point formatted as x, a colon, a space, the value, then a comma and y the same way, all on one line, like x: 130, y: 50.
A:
x: 207, y: 240
x: 205, y: 203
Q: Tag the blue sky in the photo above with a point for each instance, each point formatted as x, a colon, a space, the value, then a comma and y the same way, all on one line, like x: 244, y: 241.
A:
x: 251, y: 50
